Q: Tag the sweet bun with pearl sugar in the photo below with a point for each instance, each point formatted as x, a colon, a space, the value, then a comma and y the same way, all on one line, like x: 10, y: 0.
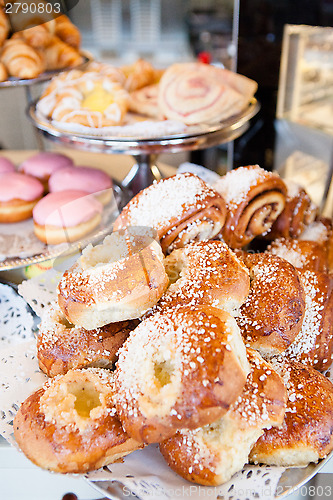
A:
x: 117, y: 280
x: 70, y: 425
x: 66, y: 216
x: 271, y: 317
x: 62, y: 346
x: 19, y: 194
x: 91, y: 180
x: 210, y: 455
x: 181, y: 369
x: 306, y: 433
x: 205, y: 272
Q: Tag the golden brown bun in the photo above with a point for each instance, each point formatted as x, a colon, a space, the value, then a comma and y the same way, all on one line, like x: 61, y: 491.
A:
x: 306, y: 433
x: 181, y: 369
x: 181, y: 208
x: 62, y: 346
x: 301, y: 254
x: 21, y: 60
x: 115, y: 281
x: 210, y: 455
x: 255, y: 198
x: 205, y: 273
x: 70, y: 425
x: 298, y: 213
x: 16, y: 210
x: 272, y: 316
x: 313, y: 345
x: 54, y: 235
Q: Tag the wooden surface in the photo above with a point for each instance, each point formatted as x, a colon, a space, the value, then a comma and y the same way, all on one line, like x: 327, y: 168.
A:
x: 117, y: 166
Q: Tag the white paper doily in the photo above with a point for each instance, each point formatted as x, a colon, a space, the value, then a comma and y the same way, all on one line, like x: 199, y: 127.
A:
x: 16, y: 322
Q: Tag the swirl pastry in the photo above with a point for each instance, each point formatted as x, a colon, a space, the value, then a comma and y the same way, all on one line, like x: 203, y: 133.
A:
x: 313, y: 345
x: 255, y: 198
x: 199, y: 93
x: 298, y: 213
x: 21, y: 60
x: 207, y: 272
x: 62, y: 346
x: 115, y: 281
x: 181, y: 208
x: 145, y: 101
x: 306, y: 433
x: 271, y: 317
x: 302, y: 254
x: 210, y: 455
x: 70, y: 424
x: 179, y: 370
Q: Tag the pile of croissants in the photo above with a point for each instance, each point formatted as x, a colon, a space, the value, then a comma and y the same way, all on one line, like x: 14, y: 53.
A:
x: 50, y: 46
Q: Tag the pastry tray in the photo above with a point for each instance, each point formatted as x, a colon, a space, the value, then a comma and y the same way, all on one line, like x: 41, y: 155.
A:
x: 190, y: 138
x: 43, y: 77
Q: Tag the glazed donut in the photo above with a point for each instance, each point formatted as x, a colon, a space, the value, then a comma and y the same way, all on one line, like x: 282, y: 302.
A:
x: 66, y: 216
x: 115, y: 281
x: 272, y: 315
x: 62, y: 346
x: 181, y: 369
x: 6, y: 165
x: 70, y: 425
x: 306, y: 433
x: 91, y: 180
x: 205, y: 273
x: 313, y: 345
x: 301, y: 254
x: 210, y: 455
x: 88, y: 99
x: 43, y: 165
x: 181, y: 208
x: 19, y: 194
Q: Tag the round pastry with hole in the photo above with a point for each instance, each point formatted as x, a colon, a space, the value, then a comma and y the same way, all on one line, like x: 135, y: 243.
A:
x: 19, y: 194
x: 205, y: 272
x: 306, y: 433
x: 114, y: 281
x: 66, y: 216
x: 210, y: 455
x: 181, y: 369
x: 62, y: 346
x: 272, y: 315
x: 70, y: 424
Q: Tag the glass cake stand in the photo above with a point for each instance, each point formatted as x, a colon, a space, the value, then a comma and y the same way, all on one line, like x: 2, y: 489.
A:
x: 146, y: 150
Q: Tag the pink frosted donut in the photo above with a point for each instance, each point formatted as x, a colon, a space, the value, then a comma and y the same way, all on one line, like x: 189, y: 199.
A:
x: 91, y: 180
x: 42, y: 165
x: 66, y: 216
x: 6, y: 165
x: 19, y: 194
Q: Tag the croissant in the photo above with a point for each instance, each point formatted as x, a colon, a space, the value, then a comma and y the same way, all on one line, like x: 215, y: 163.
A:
x: 21, y: 60
x: 59, y: 54
x: 37, y: 36
x: 4, y: 27
x: 67, y: 32
x: 3, y: 72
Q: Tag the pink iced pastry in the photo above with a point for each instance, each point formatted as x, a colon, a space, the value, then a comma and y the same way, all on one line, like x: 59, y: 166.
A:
x: 88, y: 179
x: 19, y: 193
x: 66, y: 208
x: 6, y: 165
x: 42, y: 165
x: 16, y: 186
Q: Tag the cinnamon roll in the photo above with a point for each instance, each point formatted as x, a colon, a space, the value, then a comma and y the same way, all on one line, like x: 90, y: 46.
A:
x: 254, y: 198
x: 181, y: 208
